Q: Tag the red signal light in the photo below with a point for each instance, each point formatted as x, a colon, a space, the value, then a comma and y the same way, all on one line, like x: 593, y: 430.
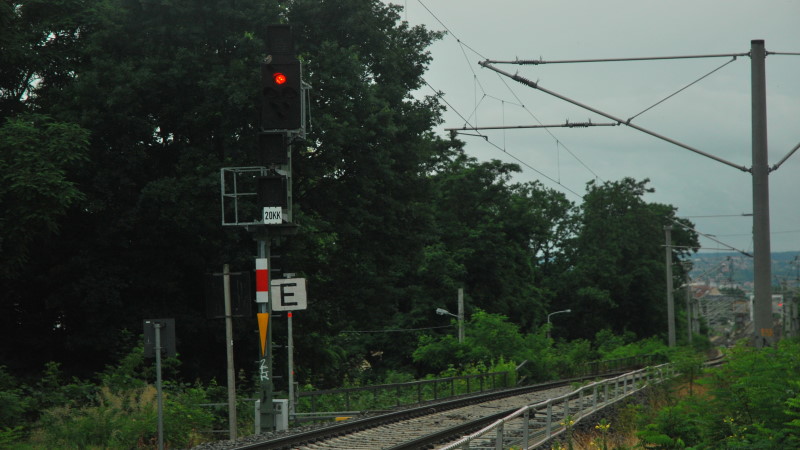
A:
x: 279, y: 78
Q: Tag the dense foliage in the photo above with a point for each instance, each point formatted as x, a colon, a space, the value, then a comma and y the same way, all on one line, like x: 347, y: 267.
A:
x: 117, y: 115
x: 751, y: 402
x: 117, y: 407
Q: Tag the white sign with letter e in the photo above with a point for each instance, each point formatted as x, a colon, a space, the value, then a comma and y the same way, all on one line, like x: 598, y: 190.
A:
x: 289, y: 294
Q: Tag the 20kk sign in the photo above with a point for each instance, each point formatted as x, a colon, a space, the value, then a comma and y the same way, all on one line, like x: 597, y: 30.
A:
x: 273, y: 215
x: 289, y: 294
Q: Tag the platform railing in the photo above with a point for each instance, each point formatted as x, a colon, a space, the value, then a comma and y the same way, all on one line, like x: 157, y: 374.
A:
x: 543, y: 421
x: 350, y: 400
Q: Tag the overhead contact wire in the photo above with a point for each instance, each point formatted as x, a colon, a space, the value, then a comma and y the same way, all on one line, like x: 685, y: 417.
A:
x: 486, y: 138
x: 682, y: 89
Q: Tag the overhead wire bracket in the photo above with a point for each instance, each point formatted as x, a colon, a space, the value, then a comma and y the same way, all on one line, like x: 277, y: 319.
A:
x: 536, y: 85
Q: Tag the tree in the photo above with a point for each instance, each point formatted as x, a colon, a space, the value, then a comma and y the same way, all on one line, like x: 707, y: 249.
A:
x: 36, y: 155
x: 39, y: 42
x: 167, y: 94
x: 503, y: 239
x: 618, y: 272
x: 490, y: 337
x: 362, y: 196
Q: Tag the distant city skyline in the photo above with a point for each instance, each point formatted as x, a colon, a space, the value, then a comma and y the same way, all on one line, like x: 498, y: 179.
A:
x: 708, y: 265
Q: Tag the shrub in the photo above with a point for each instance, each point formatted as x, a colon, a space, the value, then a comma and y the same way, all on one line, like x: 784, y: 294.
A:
x: 751, y: 402
x: 12, y: 400
x: 125, y: 419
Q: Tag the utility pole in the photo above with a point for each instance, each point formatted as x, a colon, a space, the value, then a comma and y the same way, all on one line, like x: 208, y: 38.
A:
x: 762, y: 301
x: 461, y: 315
x: 226, y: 274
x: 670, y: 299
x: 689, y: 312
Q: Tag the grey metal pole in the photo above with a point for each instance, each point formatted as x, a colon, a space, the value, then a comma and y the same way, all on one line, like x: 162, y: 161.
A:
x: 267, y: 417
x: 226, y: 277
x: 291, y: 366
x: 670, y: 299
x: 762, y: 301
x: 157, y: 325
x: 460, y: 315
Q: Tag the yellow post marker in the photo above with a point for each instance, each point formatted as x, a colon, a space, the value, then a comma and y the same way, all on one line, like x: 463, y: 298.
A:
x: 263, y: 324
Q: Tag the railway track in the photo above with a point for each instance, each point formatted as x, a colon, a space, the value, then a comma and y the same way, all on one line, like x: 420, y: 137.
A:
x: 526, y: 417
x: 420, y: 427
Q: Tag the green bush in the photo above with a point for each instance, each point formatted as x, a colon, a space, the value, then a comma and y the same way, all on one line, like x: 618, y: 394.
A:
x: 649, y: 346
x: 751, y: 402
x: 10, y: 436
x: 13, y: 402
x: 573, y: 355
x: 120, y: 411
x: 673, y: 427
x: 125, y: 419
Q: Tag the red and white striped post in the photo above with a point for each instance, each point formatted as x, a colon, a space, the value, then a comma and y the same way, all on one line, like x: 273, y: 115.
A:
x: 262, y: 280
x: 265, y: 418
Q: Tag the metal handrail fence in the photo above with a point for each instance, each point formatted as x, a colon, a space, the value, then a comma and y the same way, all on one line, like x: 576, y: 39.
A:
x: 396, y: 394
x: 340, y: 402
x: 540, y: 422
x: 346, y: 400
x: 612, y: 365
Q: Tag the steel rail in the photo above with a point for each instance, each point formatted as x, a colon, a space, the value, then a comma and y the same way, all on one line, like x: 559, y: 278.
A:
x: 350, y: 426
x: 546, y: 432
x: 552, y: 428
x: 475, y: 426
x: 451, y: 433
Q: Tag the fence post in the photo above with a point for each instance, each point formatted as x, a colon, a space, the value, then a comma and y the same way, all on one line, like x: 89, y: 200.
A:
x: 526, y: 430
x: 594, y: 398
x: 498, y: 443
x: 549, y: 423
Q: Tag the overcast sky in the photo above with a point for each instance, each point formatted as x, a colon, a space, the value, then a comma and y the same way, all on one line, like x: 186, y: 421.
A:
x: 712, y: 115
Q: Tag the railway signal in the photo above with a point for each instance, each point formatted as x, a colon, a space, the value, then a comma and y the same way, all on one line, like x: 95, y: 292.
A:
x: 280, y: 93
